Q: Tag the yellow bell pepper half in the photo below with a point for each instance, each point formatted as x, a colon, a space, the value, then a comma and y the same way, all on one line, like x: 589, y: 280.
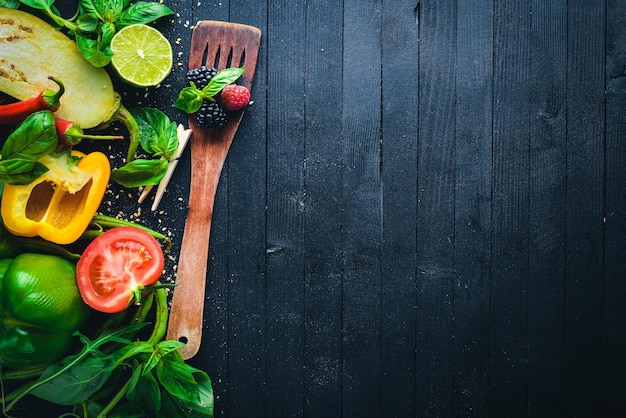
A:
x: 61, y: 203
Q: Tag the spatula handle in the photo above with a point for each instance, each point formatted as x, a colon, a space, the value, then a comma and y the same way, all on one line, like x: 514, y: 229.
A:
x: 187, y: 310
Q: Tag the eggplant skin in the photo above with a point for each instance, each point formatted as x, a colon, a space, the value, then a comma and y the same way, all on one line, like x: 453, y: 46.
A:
x: 31, y: 51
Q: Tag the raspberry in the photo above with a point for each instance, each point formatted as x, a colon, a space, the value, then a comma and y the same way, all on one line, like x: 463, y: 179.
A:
x: 235, y: 97
x: 211, y: 116
x: 200, y: 76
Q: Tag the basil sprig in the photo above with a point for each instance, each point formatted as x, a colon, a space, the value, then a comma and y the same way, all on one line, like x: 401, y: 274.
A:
x: 159, y: 139
x: 33, y: 139
x: 96, y: 21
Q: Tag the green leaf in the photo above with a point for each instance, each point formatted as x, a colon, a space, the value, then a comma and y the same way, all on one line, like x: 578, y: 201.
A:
x: 176, y: 377
x: 189, y: 100
x: 77, y: 383
x: 140, y: 172
x: 20, y: 172
x: 89, y: 6
x: 203, y: 403
x: 146, y: 395
x: 35, y: 137
x: 134, y: 349
x: 38, y: 4
x: 159, y: 136
x: 10, y: 4
x: 98, y: 55
x: 143, y: 12
x: 109, y: 10
x: 222, y: 79
x: 87, y: 23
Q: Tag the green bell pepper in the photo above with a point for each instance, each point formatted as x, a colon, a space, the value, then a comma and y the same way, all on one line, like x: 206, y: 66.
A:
x: 40, y: 308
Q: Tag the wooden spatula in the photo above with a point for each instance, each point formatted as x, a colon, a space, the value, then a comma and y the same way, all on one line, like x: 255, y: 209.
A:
x: 220, y: 45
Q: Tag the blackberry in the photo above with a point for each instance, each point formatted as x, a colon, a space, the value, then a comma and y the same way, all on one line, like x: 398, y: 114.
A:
x: 211, y: 116
x: 201, y: 76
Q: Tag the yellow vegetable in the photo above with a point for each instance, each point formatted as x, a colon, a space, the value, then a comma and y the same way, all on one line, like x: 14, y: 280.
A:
x: 60, y: 204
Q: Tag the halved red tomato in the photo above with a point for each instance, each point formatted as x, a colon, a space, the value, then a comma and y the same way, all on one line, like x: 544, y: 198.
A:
x: 116, y: 266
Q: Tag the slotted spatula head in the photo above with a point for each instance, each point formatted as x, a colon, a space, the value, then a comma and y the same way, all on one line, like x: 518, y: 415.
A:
x: 220, y: 45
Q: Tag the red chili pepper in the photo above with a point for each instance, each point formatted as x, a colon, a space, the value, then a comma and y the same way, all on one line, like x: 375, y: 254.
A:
x: 47, y: 100
x: 70, y: 133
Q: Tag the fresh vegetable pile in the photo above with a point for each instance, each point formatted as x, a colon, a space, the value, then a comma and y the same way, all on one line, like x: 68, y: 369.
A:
x: 83, y: 303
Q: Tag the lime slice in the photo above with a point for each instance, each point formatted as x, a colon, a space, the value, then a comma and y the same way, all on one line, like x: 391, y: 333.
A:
x: 142, y: 56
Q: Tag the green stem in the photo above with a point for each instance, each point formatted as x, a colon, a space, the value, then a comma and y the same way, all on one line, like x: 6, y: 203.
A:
x: 115, y: 400
x: 22, y: 374
x: 160, y: 322
x: 39, y: 245
x: 103, y: 222
x: 126, y: 118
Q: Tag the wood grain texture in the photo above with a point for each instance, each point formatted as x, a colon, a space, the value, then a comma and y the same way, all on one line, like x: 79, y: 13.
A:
x: 614, y: 285
x: 585, y: 206
x: 399, y: 119
x: 423, y: 213
x: 547, y: 206
x: 220, y: 45
x: 323, y: 229
x: 361, y: 210
x: 472, y: 209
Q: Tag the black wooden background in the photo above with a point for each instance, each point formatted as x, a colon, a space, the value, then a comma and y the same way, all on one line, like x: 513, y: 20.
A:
x: 422, y: 215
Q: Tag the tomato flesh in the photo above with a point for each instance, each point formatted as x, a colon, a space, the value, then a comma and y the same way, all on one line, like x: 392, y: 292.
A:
x: 117, y: 264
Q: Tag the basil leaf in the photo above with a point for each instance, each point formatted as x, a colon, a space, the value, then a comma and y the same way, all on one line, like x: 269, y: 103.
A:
x: 77, y: 383
x: 10, y: 4
x: 19, y: 172
x: 143, y: 12
x: 87, y: 23
x: 146, y: 395
x: 38, y: 4
x: 35, y: 137
x: 109, y: 10
x: 189, y: 100
x: 222, y: 79
x: 176, y: 377
x: 89, y: 6
x: 201, y: 401
x: 140, y: 172
x: 159, y: 136
x: 97, y: 55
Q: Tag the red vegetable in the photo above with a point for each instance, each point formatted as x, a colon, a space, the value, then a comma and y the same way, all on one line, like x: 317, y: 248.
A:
x: 70, y: 133
x: 116, y: 266
x: 47, y: 100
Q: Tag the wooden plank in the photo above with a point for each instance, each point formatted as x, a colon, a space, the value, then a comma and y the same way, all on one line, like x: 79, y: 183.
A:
x: 212, y: 357
x: 472, y: 250
x: 322, y: 222
x: 361, y: 209
x: 510, y: 211
x: 247, y: 198
x: 435, y: 209
x: 400, y: 50
x: 285, y: 209
x: 585, y: 211
x: 614, y: 313
x: 548, y: 198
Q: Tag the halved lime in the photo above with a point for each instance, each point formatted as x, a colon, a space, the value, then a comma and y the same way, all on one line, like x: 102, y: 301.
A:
x: 142, y: 56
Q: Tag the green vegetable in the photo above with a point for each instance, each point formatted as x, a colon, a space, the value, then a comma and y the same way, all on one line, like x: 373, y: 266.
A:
x: 34, y: 138
x: 96, y: 21
x: 41, y: 308
x: 116, y: 375
x: 158, y: 138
